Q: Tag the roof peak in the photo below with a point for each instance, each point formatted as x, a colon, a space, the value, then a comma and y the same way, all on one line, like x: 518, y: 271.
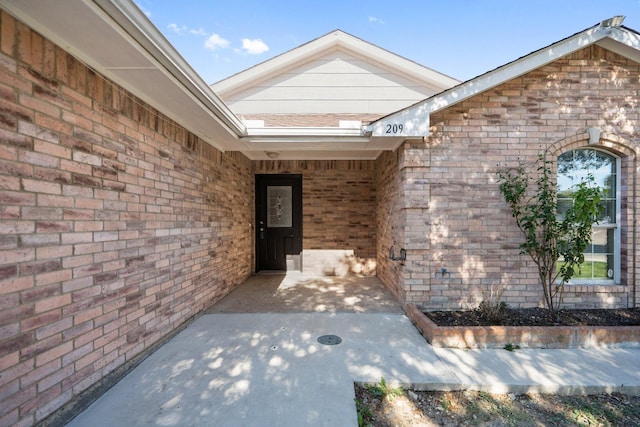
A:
x: 336, y: 38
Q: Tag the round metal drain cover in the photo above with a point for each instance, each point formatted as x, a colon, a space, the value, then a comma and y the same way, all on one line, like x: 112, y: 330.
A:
x: 330, y: 340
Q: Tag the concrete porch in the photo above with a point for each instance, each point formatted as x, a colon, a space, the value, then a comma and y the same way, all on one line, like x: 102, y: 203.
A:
x: 295, y: 292
x: 255, y: 359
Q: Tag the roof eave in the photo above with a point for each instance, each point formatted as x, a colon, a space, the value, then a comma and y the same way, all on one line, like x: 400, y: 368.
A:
x: 138, y: 26
x: 413, y: 121
x: 153, y: 61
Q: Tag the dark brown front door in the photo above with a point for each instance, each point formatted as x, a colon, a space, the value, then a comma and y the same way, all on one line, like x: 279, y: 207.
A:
x: 278, y: 221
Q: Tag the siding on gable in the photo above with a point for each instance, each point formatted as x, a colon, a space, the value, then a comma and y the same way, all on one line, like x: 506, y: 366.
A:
x: 336, y: 83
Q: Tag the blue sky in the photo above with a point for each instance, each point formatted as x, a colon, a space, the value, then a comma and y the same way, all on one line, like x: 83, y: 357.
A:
x: 462, y: 38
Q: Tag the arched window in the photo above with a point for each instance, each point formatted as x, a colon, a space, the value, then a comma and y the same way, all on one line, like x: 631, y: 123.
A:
x: 602, y: 257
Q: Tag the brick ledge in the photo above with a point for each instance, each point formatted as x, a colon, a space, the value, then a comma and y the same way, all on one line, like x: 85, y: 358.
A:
x: 525, y: 337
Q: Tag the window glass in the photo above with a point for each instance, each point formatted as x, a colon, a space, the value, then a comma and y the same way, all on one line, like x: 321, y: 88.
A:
x: 279, y: 212
x: 573, y: 167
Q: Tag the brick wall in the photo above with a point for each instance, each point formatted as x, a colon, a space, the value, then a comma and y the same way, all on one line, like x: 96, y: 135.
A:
x: 469, y: 227
x: 390, y: 223
x: 339, y: 203
x: 116, y: 226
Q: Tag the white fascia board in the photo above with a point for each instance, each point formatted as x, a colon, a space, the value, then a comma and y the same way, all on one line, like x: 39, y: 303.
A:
x: 304, y: 145
x: 305, y: 139
x: 136, y: 25
x: 330, y: 141
x: 314, y: 155
x: 390, y: 60
x: 623, y: 42
x: 265, y: 69
x: 623, y: 35
x: 283, y: 143
x: 413, y: 121
x: 304, y: 131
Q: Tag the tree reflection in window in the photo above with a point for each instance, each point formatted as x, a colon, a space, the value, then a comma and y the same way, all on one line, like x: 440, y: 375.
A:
x: 574, y: 166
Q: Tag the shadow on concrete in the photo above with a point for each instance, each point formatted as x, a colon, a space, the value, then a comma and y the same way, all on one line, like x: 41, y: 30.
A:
x: 294, y: 292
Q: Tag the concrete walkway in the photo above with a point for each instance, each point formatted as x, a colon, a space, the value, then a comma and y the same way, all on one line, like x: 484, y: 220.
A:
x: 268, y: 369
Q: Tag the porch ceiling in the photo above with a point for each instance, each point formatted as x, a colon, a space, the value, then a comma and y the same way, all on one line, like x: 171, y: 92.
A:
x: 316, y: 144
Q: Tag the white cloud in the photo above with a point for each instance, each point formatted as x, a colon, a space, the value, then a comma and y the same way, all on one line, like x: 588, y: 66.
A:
x: 375, y: 20
x: 176, y: 28
x: 216, y: 42
x: 199, y: 32
x: 183, y: 29
x: 254, y: 47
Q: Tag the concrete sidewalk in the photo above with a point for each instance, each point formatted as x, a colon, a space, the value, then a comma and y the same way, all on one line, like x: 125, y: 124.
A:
x: 268, y: 369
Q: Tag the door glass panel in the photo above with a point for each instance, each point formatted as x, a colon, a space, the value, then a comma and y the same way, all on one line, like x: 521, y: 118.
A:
x: 279, y: 202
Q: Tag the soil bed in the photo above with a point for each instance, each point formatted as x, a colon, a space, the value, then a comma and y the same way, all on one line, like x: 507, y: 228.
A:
x: 538, y: 317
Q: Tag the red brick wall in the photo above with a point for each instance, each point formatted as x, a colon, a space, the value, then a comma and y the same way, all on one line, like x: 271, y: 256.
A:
x: 467, y: 224
x: 339, y: 203
x: 116, y: 226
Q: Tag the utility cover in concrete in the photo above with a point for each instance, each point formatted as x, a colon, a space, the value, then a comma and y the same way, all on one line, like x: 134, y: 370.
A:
x: 330, y: 340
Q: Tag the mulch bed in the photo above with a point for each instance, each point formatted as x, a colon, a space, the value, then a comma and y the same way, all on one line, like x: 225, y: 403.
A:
x: 539, y: 317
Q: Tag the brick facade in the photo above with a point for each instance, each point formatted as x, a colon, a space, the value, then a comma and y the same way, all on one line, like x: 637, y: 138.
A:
x: 339, y: 220
x: 117, y: 226
x: 455, y: 217
x: 390, y: 224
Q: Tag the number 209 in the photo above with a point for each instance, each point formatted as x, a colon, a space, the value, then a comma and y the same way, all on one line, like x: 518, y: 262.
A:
x: 394, y: 128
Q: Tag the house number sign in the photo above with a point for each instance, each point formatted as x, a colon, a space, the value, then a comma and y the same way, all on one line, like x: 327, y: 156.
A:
x: 401, y: 126
x: 394, y: 128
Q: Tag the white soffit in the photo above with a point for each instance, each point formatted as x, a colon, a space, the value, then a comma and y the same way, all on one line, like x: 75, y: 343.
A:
x: 339, y: 143
x: 310, y: 154
x: 117, y: 40
x: 413, y: 121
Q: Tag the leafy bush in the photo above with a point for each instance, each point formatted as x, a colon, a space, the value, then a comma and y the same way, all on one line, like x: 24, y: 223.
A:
x: 547, y: 237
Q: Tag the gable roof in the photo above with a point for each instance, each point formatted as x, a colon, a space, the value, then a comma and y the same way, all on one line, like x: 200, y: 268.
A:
x: 331, y: 42
x: 310, y: 102
x: 413, y: 121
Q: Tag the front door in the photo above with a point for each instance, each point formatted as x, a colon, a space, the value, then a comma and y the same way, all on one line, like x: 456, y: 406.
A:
x: 278, y: 222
